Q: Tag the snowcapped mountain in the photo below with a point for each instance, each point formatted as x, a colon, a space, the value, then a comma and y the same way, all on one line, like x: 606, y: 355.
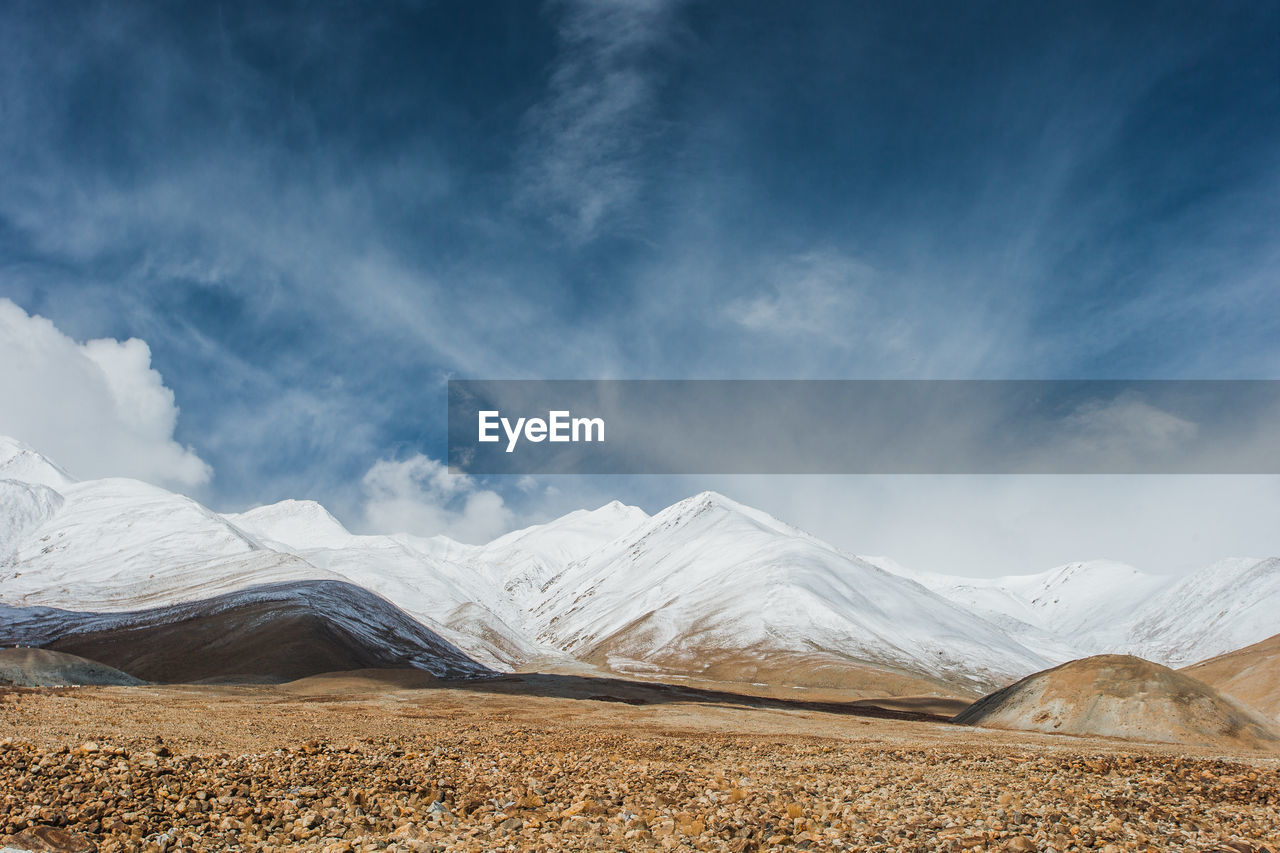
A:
x: 706, y: 588
x: 120, y: 545
x: 1082, y: 601
x: 1066, y: 612
x: 1102, y: 606
x: 707, y: 579
x: 479, y: 595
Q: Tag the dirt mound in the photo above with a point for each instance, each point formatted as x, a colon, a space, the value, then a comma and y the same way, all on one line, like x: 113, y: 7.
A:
x: 1123, y: 697
x: 361, y: 681
x: 1250, y: 675
x: 44, y: 668
x: 269, y: 633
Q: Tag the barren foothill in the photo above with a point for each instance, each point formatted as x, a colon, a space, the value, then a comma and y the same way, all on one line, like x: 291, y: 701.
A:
x: 367, y: 762
x: 1127, y: 697
x: 1251, y: 675
x: 23, y: 667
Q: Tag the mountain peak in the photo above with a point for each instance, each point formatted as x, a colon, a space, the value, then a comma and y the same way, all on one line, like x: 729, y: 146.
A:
x: 703, y: 502
x: 714, y: 498
x: 19, y: 461
x: 1096, y: 569
x: 617, y: 509
x: 296, y: 523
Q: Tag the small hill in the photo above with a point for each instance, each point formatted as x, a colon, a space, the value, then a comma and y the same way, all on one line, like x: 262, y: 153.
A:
x: 361, y: 681
x: 45, y: 668
x: 1123, y: 697
x: 1250, y: 675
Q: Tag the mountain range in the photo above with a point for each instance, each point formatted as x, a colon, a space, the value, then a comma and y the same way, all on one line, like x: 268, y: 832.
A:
x: 705, y: 589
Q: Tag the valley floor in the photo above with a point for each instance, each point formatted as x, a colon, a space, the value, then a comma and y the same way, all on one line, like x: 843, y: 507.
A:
x: 366, y: 762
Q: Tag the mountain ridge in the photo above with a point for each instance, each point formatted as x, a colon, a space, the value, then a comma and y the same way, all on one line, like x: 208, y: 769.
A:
x: 707, y: 587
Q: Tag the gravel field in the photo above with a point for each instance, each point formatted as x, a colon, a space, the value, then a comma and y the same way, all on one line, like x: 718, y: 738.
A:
x: 371, y: 768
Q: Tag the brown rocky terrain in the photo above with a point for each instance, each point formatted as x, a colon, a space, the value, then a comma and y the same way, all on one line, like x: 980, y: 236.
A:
x: 1123, y: 697
x: 757, y: 667
x: 1250, y: 675
x: 399, y: 761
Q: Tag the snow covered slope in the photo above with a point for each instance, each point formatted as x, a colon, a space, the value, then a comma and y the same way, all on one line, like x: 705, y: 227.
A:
x: 116, y: 543
x: 1084, y: 601
x: 23, y: 507
x: 1102, y: 606
x: 1231, y: 604
x: 522, y: 563
x: 20, y: 462
x: 1066, y: 612
x: 707, y: 585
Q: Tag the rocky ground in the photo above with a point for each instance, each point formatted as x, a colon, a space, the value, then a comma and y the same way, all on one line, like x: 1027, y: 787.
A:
x: 268, y: 768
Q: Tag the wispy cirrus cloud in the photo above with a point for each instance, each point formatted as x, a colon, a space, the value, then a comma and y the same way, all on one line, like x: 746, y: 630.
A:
x: 590, y: 142
x: 819, y: 293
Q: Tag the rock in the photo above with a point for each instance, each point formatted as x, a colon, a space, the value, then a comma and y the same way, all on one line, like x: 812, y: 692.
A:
x: 51, y: 839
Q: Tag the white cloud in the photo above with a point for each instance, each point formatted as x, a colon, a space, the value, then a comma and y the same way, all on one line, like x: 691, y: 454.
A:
x: 418, y: 495
x: 98, y: 408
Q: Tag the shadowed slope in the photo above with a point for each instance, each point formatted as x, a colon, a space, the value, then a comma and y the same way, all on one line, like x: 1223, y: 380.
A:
x: 276, y: 632
x: 1125, y: 697
x: 337, y: 685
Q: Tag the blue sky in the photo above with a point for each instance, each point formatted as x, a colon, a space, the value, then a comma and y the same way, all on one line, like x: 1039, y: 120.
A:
x: 315, y: 214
